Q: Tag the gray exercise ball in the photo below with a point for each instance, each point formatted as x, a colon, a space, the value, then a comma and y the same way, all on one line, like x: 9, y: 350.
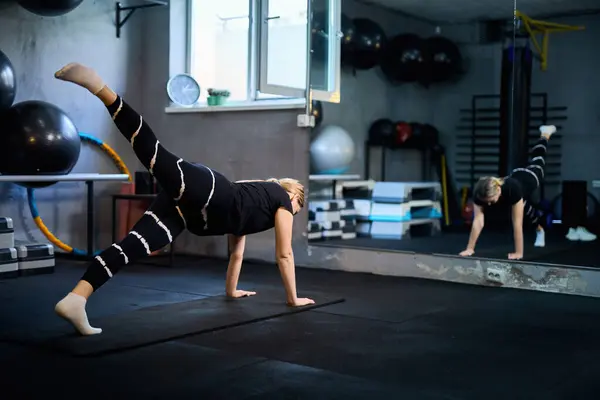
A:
x: 332, y: 151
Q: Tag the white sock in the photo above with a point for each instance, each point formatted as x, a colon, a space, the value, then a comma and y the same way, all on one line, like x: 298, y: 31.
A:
x: 540, y: 238
x: 547, y: 130
x: 72, y: 308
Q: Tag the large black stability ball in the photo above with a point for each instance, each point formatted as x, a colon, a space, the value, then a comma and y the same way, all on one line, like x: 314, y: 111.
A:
x: 8, y: 83
x: 369, y: 43
x: 348, y: 39
x: 320, y: 36
x: 404, y: 59
x: 37, y: 138
x: 443, y: 58
x: 382, y: 132
x: 50, y: 8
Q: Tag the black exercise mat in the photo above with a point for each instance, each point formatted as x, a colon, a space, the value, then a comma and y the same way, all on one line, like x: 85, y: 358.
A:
x: 167, y: 322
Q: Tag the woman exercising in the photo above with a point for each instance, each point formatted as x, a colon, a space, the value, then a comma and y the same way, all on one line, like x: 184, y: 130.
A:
x: 193, y: 197
x: 512, y: 192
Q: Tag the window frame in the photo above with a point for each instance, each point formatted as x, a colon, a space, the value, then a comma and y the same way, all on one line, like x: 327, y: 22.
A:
x: 257, y: 66
x: 334, y: 55
x: 262, y: 21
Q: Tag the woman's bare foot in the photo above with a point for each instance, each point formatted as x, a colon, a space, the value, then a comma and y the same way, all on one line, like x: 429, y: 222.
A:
x: 81, y: 75
x: 547, y: 130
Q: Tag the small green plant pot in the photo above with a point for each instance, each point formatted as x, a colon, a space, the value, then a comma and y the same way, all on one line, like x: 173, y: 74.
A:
x: 216, y: 100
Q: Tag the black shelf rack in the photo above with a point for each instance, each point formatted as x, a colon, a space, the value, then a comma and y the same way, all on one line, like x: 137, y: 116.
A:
x: 120, y: 9
x: 477, y: 152
x: 426, y: 165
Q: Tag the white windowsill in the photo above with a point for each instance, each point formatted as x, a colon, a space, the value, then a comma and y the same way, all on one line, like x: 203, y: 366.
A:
x: 259, y: 105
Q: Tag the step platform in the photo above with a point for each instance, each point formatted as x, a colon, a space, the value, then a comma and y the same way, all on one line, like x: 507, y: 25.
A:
x: 356, y: 189
x: 403, y: 192
x: 399, y: 230
x: 362, y: 208
x: 331, y: 219
x: 315, y: 231
x: 327, y: 230
x: 9, y: 263
x: 7, y: 233
x: 35, y: 259
x: 399, y: 212
x: 331, y: 210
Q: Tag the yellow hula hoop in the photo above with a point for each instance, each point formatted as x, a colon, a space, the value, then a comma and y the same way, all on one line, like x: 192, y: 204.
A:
x: 33, y: 206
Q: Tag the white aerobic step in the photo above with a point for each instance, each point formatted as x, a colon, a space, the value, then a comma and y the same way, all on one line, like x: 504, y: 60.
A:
x: 402, y: 192
x: 399, y: 230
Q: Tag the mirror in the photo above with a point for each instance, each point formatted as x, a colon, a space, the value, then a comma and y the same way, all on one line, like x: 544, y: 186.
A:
x: 433, y: 97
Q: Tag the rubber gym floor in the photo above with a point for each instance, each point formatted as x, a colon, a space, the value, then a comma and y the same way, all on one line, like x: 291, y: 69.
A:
x: 391, y: 338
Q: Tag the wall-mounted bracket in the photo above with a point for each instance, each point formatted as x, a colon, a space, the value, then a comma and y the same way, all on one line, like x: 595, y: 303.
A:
x: 120, y: 9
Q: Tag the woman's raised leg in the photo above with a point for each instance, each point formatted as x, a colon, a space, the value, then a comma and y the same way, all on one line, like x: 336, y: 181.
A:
x: 169, y: 170
x: 536, y: 168
x: 158, y: 227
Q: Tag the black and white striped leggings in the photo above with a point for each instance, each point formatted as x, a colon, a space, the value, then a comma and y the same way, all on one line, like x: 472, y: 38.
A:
x: 187, y: 191
x: 531, y: 178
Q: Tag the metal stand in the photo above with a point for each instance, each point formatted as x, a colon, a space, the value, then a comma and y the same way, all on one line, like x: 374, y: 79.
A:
x: 131, y: 9
x: 425, y: 158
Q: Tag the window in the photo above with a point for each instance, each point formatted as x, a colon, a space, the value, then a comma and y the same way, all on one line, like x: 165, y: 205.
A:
x: 258, y: 49
x: 283, y: 44
x: 219, y: 46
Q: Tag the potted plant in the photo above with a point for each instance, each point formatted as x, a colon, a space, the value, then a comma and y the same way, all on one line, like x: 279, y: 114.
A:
x: 217, y: 97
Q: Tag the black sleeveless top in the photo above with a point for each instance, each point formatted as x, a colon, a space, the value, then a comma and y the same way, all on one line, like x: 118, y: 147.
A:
x: 254, y: 206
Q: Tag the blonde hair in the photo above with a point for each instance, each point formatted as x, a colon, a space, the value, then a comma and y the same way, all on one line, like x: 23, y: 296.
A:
x: 292, y: 186
x: 487, y: 187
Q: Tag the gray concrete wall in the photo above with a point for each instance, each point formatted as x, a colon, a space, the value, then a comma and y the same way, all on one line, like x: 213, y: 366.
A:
x: 39, y: 46
x: 572, y: 80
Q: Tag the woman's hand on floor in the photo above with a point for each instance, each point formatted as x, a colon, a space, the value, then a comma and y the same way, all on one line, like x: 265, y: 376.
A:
x: 301, y: 302
x: 466, y: 253
x: 240, y: 293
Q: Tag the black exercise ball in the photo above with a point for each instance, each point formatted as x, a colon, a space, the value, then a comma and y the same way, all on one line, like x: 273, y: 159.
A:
x: 38, y: 138
x: 443, y: 58
x: 382, y: 132
x: 369, y: 43
x: 348, y: 39
x: 50, y: 8
x: 320, y: 36
x: 317, y: 111
x: 404, y: 59
x: 8, y: 83
x: 430, y: 135
x: 417, y: 129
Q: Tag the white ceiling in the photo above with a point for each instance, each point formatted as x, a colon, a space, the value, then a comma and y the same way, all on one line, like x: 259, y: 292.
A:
x: 468, y: 10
